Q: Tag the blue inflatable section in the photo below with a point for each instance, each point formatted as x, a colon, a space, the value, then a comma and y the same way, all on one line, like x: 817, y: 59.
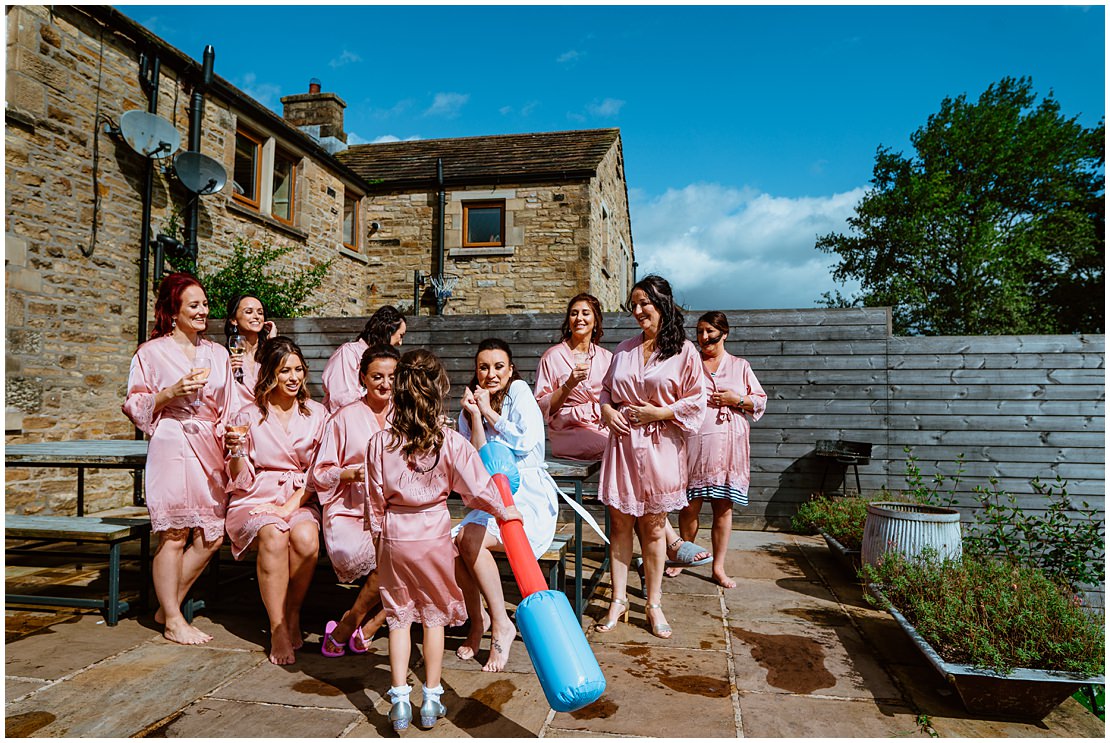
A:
x: 499, y: 458
x: 564, y: 663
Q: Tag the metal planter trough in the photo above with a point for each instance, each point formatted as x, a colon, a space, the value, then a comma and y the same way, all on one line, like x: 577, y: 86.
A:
x: 1024, y: 693
x: 910, y: 528
x: 849, y: 558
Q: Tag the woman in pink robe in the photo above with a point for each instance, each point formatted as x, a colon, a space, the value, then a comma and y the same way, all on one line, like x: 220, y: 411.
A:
x: 270, y: 503
x: 652, y: 398
x: 569, y: 380
x: 246, y: 317
x: 337, y: 475
x: 386, y: 327
x: 410, y: 470
x: 719, y: 454
x: 178, y: 390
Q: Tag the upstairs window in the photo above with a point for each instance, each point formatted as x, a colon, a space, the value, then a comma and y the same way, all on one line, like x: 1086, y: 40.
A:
x: 484, y: 224
x: 248, y: 168
x: 284, y: 188
x: 350, y: 221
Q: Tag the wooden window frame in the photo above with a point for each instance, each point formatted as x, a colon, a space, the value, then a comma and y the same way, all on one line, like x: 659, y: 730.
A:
x: 256, y: 203
x: 293, y: 163
x: 357, y: 201
x: 466, y: 207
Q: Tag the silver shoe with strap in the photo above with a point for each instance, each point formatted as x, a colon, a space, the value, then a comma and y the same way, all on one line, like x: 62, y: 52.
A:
x: 431, y: 709
x: 400, y: 714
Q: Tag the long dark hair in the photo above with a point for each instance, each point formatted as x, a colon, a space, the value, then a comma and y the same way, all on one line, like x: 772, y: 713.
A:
x: 672, y: 332
x: 595, y: 306
x: 370, y: 355
x: 274, y: 352
x: 495, y: 399
x: 715, y: 319
x: 229, y: 328
x: 420, y: 386
x: 168, y: 303
x: 381, y: 326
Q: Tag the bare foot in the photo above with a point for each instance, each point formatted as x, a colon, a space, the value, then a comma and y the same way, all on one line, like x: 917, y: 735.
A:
x: 499, y: 646
x: 372, y: 626
x: 281, y: 649
x: 473, y: 641
x: 184, y: 633
x: 723, y: 580
x: 160, y: 616
x: 295, y: 636
x: 672, y: 572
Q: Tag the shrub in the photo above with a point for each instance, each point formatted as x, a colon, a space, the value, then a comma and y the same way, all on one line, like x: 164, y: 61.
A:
x: 841, y: 518
x: 993, y: 614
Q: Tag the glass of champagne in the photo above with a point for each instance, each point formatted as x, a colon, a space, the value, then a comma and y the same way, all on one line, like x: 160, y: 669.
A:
x: 581, y: 358
x: 202, y: 367
x: 237, y: 348
x: 239, y: 424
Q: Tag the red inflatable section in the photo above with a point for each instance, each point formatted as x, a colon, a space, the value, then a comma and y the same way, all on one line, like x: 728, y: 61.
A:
x: 525, y: 568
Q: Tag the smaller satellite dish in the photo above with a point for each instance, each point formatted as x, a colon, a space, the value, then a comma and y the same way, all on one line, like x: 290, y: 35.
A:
x: 199, y: 173
x: 149, y: 135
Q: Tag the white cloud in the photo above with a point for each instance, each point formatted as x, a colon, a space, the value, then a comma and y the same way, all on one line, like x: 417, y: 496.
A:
x: 525, y: 110
x: 576, y: 117
x: 397, y: 109
x: 268, y: 94
x: 737, y: 248
x: 608, y: 107
x: 389, y: 138
x: 346, y: 58
x: 447, y: 104
x: 570, y: 56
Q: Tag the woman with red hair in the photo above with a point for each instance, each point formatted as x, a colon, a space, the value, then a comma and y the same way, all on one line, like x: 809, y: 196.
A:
x: 177, y: 392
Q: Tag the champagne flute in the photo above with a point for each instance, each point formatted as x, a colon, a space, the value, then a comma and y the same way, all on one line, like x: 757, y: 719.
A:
x: 202, y: 367
x: 239, y: 424
x: 581, y: 358
x: 237, y: 348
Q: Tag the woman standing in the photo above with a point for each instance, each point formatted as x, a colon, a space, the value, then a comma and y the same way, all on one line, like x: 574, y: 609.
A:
x: 498, y: 406
x: 651, y: 400
x: 178, y: 388
x: 337, y: 475
x: 246, y: 318
x: 719, y: 453
x: 386, y: 327
x: 270, y: 503
x: 568, y: 383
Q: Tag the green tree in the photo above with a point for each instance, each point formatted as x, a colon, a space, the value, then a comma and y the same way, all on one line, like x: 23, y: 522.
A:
x: 994, y: 226
x: 251, y: 269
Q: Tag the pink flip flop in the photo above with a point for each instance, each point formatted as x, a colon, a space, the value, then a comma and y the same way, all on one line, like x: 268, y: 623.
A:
x: 357, y: 643
x: 328, y: 641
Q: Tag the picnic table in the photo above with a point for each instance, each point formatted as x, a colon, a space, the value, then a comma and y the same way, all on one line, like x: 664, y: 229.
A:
x: 81, y: 454
x: 576, y: 473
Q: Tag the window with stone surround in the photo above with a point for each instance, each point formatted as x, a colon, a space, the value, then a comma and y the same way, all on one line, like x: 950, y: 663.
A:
x: 483, y: 224
x: 283, y: 204
x: 248, y: 168
x: 350, y: 220
x: 264, y: 176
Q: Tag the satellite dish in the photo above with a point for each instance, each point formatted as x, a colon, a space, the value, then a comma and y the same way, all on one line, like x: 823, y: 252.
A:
x: 199, y: 173
x: 148, y: 134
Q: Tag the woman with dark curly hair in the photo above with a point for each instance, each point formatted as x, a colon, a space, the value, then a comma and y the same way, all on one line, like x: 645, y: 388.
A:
x: 386, y: 327
x: 246, y: 318
x: 651, y: 400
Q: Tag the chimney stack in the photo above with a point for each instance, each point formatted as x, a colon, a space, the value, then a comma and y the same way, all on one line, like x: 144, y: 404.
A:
x: 320, y: 115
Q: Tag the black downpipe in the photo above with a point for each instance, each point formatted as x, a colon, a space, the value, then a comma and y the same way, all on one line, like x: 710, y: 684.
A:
x: 440, y: 262
x: 148, y: 77
x: 196, y: 123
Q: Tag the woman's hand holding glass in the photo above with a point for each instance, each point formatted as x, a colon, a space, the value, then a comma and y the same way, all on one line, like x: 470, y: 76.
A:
x: 202, y: 367
x: 236, y: 436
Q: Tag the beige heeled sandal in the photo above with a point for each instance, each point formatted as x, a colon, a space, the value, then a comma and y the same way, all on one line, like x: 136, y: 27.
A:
x: 662, y: 631
x: 612, y: 623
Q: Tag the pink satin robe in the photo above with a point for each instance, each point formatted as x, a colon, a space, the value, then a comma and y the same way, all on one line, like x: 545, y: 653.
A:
x: 719, y: 454
x: 350, y: 544
x: 645, y: 471
x: 575, y: 430
x: 277, y: 465
x: 408, y: 508
x: 242, y: 393
x: 184, y: 464
x: 340, y: 377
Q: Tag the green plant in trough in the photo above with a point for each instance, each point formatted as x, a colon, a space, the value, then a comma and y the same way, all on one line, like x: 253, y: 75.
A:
x: 990, y: 613
x: 841, y: 518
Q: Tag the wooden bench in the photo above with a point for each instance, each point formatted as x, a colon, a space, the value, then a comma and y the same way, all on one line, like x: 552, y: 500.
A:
x: 554, y: 562
x: 113, y: 532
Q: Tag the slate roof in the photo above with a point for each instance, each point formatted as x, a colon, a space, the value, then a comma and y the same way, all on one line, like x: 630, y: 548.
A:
x: 495, y: 159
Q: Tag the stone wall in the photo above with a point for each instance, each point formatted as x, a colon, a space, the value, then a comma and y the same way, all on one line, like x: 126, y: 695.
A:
x: 611, y: 257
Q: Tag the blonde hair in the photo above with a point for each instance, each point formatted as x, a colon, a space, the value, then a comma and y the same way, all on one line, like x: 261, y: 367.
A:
x: 420, y: 387
x: 274, y: 352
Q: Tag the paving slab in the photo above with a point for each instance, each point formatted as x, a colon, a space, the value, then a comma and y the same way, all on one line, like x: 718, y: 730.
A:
x: 220, y: 718
x: 58, y: 650
x: 16, y: 687
x: 799, y: 716
x: 657, y: 691
x: 128, y: 693
x: 694, y: 620
x: 785, y: 600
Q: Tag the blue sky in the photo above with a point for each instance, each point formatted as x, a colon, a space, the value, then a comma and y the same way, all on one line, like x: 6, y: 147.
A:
x: 747, y: 130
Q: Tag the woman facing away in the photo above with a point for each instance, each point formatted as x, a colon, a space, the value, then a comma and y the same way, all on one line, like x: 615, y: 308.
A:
x: 271, y: 508
x: 246, y: 320
x: 386, y: 327
x: 651, y: 400
x: 569, y: 380
x: 178, y: 390
x: 337, y: 474
x: 410, y: 470
x: 498, y: 406
x: 719, y: 454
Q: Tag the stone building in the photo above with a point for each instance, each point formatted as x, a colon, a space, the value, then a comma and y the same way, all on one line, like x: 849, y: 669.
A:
x: 75, y: 201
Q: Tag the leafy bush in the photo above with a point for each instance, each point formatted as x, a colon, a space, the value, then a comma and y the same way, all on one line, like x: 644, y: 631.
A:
x: 991, y: 613
x: 251, y: 269
x: 841, y: 518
